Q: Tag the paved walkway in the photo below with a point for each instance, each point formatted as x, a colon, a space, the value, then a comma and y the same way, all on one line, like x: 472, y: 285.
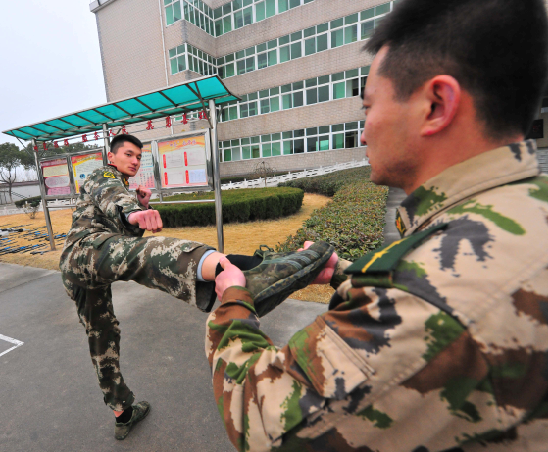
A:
x: 49, y: 394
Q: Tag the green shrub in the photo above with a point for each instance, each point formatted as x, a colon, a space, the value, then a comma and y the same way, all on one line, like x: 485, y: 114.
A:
x: 33, y: 199
x: 239, y: 206
x: 352, y: 222
x: 329, y: 184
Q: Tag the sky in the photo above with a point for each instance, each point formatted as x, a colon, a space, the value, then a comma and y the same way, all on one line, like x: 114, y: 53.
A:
x: 50, y: 61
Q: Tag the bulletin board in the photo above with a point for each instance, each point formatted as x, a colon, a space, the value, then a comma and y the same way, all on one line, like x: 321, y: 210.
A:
x: 83, y: 165
x: 145, y: 175
x: 56, y: 176
x: 184, y: 162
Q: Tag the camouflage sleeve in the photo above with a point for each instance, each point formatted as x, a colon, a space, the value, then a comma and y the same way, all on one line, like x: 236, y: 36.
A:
x: 110, y: 196
x: 338, y: 276
x: 346, y: 359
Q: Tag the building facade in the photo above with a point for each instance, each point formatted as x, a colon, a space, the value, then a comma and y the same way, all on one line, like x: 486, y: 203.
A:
x: 297, y: 65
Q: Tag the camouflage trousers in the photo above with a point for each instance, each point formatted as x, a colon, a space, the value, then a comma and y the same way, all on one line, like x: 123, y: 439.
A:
x: 92, y: 264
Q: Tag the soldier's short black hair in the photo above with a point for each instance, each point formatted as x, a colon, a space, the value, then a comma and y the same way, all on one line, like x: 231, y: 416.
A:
x: 119, y: 140
x: 496, y: 49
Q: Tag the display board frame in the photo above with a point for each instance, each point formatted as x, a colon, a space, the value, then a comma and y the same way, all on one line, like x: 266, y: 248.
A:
x: 155, y: 188
x: 68, y: 158
x: 208, y: 186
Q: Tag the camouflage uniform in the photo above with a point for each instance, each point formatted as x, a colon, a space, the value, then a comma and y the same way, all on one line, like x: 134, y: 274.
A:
x: 438, y: 342
x: 102, y: 247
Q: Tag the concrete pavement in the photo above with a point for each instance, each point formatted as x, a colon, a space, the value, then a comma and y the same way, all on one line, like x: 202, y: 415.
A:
x: 48, y: 390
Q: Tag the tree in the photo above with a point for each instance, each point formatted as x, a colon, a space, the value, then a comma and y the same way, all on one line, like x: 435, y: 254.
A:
x: 11, y: 159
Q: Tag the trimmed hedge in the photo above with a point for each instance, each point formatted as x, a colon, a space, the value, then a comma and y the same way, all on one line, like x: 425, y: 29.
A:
x: 353, y: 222
x: 33, y: 199
x: 240, y: 206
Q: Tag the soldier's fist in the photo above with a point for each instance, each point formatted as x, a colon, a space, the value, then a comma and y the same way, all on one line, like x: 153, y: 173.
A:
x: 146, y: 219
x: 143, y: 195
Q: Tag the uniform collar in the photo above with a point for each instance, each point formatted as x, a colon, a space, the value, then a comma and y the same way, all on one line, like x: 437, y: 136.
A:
x: 488, y: 170
x: 119, y: 174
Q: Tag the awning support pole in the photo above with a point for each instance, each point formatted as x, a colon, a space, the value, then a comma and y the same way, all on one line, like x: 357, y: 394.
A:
x: 107, y: 144
x: 43, y: 195
x: 217, y: 176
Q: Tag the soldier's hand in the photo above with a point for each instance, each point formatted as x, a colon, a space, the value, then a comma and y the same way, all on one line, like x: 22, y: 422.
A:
x: 143, y: 195
x: 230, y: 276
x: 146, y: 219
x: 327, y: 273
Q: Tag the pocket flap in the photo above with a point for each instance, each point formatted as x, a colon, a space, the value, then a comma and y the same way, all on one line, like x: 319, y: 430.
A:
x: 98, y: 242
x: 332, y: 366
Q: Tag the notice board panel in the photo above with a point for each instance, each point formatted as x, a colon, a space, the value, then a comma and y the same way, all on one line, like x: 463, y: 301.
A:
x: 183, y: 161
x: 56, y: 176
x: 83, y: 165
x: 145, y: 175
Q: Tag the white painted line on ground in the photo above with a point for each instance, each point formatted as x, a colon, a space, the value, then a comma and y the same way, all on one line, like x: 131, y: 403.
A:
x: 11, y: 341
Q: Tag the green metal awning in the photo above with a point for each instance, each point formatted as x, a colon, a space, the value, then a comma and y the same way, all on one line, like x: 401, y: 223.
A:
x: 189, y: 96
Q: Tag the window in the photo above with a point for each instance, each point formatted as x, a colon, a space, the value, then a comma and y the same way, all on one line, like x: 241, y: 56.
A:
x: 302, y: 43
x: 298, y: 94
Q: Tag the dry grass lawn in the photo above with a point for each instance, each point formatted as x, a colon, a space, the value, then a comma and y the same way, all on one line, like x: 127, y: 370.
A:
x: 239, y: 239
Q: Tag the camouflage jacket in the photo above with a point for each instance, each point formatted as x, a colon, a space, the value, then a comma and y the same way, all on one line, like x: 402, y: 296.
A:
x: 102, y: 205
x: 438, y: 342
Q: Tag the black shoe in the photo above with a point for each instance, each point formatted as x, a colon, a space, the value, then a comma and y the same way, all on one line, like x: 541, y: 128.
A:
x: 140, y: 411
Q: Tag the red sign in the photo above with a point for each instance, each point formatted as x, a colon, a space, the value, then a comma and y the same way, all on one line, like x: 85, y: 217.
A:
x: 149, y: 125
x: 45, y: 146
x: 168, y: 122
x: 185, y: 119
x: 96, y: 135
x: 84, y: 138
x: 124, y: 131
x: 55, y: 144
x: 66, y: 143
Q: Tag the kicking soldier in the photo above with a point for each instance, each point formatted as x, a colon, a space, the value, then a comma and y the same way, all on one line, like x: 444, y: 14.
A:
x: 439, y: 341
x: 106, y: 244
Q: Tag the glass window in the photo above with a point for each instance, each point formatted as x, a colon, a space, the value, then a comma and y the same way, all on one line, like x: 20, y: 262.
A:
x: 241, y: 67
x: 276, y: 149
x: 227, y: 24
x: 337, y: 38
x: 298, y: 99
x: 174, y: 69
x: 262, y: 61
x: 246, y: 152
x: 312, y: 96
x: 321, y: 43
x: 287, y: 135
x: 298, y: 146
x: 339, y: 90
x: 284, y: 40
x: 244, y: 110
x: 323, y: 93
x: 250, y: 64
x: 227, y: 155
x: 236, y: 154
x: 282, y: 6
x: 382, y: 9
x: 296, y: 36
x: 270, y: 8
x: 267, y: 150
x: 311, y: 144
x: 351, y: 19
x: 294, y: 3
x: 336, y: 23
x: 310, y: 46
x: 248, y: 16
x: 351, y: 34
x: 367, y: 14
x: 255, y: 152
x: 284, y: 54
x: 253, y: 109
x: 272, y: 58
x: 367, y: 29
x: 323, y: 143
x: 229, y: 70
x: 287, y: 101
x: 353, y: 87
x: 296, y: 50
x: 274, y: 104
x: 338, y: 141
x: 288, y: 147
x: 219, y: 27
x: 309, y: 32
x: 322, y: 27
x: 351, y: 139
x: 169, y: 15
x: 265, y: 106
x: 260, y: 11
x: 238, y: 19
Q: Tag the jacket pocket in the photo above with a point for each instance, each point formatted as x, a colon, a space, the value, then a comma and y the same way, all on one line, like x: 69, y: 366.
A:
x: 98, y: 242
x: 332, y: 366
